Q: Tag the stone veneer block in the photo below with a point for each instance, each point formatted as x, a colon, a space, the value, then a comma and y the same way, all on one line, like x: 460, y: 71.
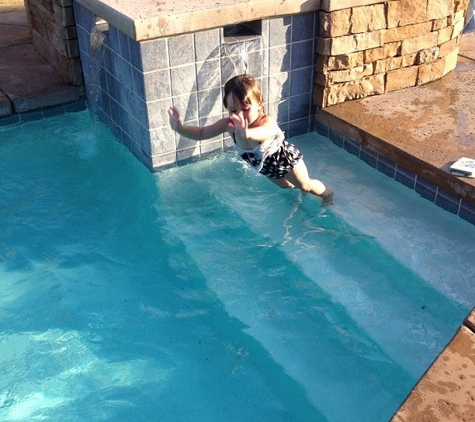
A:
x: 340, y: 62
x: 335, y: 24
x: 409, y: 59
x: 349, y: 44
x: 459, y: 16
x: 401, y: 78
x: 385, y: 65
x: 406, y: 12
x: 437, y: 9
x: 337, y: 93
x: 450, y: 61
x: 367, y: 19
x: 448, y: 47
x: 354, y: 73
x: 445, y: 34
x: 368, y: 40
x: 458, y: 27
x: 440, y: 23
x: 426, y: 56
x: 421, y: 42
x: 384, y: 52
x: 405, y: 32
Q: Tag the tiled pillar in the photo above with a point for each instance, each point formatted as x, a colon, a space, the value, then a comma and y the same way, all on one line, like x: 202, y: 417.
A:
x: 139, y: 81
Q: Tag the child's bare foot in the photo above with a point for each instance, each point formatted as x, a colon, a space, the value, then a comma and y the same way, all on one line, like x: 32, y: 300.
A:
x: 327, y: 197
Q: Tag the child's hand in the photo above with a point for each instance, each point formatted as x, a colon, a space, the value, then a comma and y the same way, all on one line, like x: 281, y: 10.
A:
x: 239, y: 125
x: 174, y: 117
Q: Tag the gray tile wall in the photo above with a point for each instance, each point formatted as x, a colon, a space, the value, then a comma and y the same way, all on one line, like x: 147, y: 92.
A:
x: 140, y: 81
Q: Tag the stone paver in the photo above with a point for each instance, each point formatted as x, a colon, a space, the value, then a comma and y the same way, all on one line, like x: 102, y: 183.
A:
x: 446, y: 393
x: 14, y: 29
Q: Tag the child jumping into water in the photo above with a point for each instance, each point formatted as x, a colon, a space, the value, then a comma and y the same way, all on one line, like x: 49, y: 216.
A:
x: 257, y: 138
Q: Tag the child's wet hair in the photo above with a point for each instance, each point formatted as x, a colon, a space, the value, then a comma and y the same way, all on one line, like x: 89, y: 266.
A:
x: 245, y: 88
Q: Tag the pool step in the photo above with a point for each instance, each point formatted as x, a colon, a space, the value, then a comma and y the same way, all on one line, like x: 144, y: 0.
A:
x: 289, y: 278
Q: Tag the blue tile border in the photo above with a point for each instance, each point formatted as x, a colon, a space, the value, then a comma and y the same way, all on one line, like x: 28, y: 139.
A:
x: 369, y: 157
x: 29, y: 116
x: 426, y: 189
x: 423, y: 187
x: 406, y: 177
x: 467, y: 212
x: 448, y: 201
x: 386, y: 167
x: 11, y: 120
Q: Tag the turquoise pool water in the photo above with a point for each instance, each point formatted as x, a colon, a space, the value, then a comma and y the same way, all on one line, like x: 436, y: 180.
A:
x: 204, y: 293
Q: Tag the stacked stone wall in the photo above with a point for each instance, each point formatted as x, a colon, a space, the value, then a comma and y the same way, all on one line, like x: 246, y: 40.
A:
x: 374, y: 49
x: 54, y: 36
x: 364, y: 47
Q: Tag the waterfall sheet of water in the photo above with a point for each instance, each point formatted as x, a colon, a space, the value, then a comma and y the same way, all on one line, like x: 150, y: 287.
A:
x: 231, y: 58
x: 98, y: 41
x: 242, y: 56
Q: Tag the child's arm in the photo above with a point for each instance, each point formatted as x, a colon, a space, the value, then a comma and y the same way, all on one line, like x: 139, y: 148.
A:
x: 195, y: 132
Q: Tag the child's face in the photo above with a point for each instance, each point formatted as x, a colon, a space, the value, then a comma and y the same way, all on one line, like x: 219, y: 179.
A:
x: 250, y: 112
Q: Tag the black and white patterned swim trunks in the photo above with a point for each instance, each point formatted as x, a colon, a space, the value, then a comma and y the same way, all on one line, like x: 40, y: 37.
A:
x: 278, y: 164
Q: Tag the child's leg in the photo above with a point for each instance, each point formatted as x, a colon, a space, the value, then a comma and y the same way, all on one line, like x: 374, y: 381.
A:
x: 299, y: 178
x: 282, y: 183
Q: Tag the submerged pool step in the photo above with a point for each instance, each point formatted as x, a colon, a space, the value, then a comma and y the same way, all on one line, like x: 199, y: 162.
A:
x: 384, y: 298
x: 298, y: 277
x: 297, y: 324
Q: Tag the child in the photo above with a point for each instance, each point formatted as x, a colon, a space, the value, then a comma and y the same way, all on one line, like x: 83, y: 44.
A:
x: 257, y: 138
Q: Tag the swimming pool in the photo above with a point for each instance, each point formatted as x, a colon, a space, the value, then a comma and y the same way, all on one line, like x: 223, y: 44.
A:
x: 204, y: 293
